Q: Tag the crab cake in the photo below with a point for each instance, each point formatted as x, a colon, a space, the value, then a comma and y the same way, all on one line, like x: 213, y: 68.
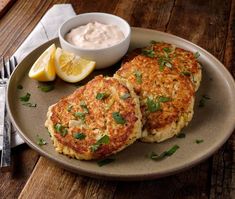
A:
x: 97, y: 120
x: 166, y: 97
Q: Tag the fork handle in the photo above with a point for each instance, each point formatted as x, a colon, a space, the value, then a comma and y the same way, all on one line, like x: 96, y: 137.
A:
x: 6, y: 147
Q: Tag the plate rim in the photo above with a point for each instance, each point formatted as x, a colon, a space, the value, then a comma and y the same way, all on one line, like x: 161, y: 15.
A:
x: 129, y: 177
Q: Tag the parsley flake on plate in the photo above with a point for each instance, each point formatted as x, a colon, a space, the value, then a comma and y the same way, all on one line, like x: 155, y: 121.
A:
x: 181, y: 135
x: 46, y: 87
x: 40, y: 141
x: 164, y: 154
x: 19, y: 87
x: 196, y: 55
x: 199, y: 141
x: 25, y: 98
x: 105, y: 161
x: 203, y: 100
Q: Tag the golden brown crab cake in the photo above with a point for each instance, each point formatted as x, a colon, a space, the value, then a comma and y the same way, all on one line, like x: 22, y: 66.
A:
x: 166, y: 97
x: 182, y: 60
x: 97, y: 120
x: 185, y: 62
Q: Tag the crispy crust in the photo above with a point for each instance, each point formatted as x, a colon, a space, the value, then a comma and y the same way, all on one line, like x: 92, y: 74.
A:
x: 98, y: 121
x: 169, y: 130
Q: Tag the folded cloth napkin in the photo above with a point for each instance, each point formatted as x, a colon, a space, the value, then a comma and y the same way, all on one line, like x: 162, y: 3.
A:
x: 45, y: 30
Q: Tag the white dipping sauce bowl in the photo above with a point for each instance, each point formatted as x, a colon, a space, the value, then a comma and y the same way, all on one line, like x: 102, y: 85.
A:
x: 104, y: 57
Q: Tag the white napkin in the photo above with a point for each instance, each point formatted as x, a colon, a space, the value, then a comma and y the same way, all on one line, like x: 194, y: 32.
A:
x: 45, y: 30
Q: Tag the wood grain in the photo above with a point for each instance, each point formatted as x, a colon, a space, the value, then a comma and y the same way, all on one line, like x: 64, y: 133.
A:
x: 223, y: 168
x: 5, y: 6
x: 24, y: 160
x: 209, y: 24
x: 63, y: 184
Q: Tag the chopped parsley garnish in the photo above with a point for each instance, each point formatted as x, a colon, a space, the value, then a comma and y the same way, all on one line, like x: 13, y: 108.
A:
x: 19, y: 87
x: 69, y: 108
x: 185, y: 73
x: 181, y: 135
x: 58, y: 127
x: 125, y: 96
x: 80, y: 115
x: 164, y: 99
x: 101, y: 96
x: 25, y: 98
x: 164, y: 62
x: 84, y: 106
x: 61, y: 129
x: 46, y: 87
x: 206, y: 97
x: 103, y: 140
x: 48, y: 132
x: 138, y: 76
x: 29, y: 104
x: 153, y: 42
x: 199, y: 141
x: 203, y: 100
x: 41, y: 141
x: 152, y: 105
x: 118, y: 118
x: 64, y: 132
x: 105, y: 161
x: 167, y: 50
x: 164, y: 154
x: 148, y: 53
x: 196, y: 55
x: 79, y: 136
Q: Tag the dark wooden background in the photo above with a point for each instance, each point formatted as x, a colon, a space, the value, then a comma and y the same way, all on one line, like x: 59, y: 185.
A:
x: 208, y: 23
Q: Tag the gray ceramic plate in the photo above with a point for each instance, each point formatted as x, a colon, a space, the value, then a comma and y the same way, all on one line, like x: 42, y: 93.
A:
x: 213, y: 123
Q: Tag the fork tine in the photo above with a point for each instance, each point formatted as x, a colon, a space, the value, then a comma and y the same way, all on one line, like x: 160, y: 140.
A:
x: 8, y: 67
x: 15, y: 61
x: 2, y: 70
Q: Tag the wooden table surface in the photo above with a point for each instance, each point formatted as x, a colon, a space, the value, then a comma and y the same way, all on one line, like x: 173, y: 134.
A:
x: 208, y: 23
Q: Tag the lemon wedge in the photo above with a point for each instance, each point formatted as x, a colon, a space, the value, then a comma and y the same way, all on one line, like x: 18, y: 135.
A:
x: 44, y: 67
x: 72, y: 68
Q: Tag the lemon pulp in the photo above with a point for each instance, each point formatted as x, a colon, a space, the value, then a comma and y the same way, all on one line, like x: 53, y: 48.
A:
x: 72, y: 68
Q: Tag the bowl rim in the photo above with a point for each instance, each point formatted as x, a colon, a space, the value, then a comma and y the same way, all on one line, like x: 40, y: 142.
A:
x: 127, y: 37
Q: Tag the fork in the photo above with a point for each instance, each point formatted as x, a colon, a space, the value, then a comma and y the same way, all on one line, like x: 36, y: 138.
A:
x: 5, y: 124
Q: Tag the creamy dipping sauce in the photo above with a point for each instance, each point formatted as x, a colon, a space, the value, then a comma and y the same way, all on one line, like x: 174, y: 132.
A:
x: 95, y: 35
